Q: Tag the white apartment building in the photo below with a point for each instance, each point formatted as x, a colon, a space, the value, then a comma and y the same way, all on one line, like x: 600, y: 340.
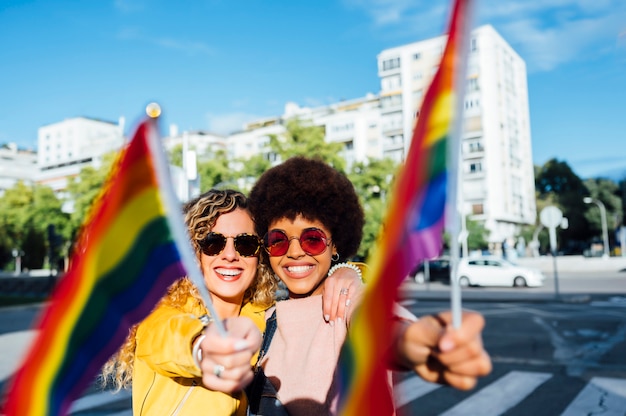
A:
x: 498, y: 185
x: 194, y: 145
x: 353, y: 123
x: 16, y: 165
x: 64, y: 148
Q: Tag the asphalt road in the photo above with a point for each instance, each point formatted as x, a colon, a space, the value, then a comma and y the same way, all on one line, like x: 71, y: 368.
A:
x: 552, y: 355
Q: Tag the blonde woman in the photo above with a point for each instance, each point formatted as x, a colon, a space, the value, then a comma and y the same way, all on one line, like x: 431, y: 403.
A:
x: 161, y: 359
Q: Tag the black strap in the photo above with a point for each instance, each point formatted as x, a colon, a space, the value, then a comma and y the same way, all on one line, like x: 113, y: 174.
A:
x: 260, y: 388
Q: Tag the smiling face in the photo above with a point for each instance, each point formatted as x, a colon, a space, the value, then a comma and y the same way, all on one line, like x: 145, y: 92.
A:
x: 228, y: 274
x: 301, y: 272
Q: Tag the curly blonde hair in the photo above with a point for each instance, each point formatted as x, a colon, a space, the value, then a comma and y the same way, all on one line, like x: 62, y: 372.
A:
x: 201, y: 213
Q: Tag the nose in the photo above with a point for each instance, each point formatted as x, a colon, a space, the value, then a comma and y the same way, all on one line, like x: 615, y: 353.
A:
x: 295, y: 250
x: 229, y: 251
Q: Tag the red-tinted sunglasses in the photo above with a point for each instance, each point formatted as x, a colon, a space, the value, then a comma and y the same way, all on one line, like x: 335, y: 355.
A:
x: 247, y: 245
x: 312, y: 240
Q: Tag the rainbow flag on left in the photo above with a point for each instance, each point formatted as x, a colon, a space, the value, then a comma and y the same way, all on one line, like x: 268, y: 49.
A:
x: 126, y: 257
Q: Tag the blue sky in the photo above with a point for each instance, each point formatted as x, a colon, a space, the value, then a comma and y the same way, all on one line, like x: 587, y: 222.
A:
x: 214, y: 64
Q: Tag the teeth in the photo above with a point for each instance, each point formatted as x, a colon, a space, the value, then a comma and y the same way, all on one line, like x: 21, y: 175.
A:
x: 228, y: 272
x: 299, y: 269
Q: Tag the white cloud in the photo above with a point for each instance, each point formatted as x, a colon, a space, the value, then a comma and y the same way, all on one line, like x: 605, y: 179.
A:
x: 227, y: 123
x: 556, y: 32
x: 546, y: 33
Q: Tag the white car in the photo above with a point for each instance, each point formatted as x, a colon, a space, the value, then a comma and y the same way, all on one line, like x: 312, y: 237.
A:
x: 496, y: 271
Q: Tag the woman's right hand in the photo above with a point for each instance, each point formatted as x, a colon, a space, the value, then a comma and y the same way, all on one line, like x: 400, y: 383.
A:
x: 342, y: 290
x: 226, y: 360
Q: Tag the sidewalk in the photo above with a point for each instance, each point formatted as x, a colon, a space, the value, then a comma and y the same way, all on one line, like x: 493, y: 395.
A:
x: 574, y: 264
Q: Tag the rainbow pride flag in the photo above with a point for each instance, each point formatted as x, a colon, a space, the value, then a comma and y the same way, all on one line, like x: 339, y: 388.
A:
x: 413, y: 230
x: 126, y: 257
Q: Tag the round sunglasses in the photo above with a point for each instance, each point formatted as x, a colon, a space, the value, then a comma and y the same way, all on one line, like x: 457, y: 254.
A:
x: 312, y: 240
x: 247, y: 245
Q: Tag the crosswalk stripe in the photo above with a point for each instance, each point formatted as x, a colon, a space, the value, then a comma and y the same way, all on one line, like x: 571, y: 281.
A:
x: 602, y: 395
x: 499, y: 396
x: 98, y: 399
x: 11, y: 357
x: 410, y: 389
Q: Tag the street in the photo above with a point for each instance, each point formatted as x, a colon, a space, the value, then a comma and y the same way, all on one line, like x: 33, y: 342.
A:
x: 551, y: 355
x: 549, y: 359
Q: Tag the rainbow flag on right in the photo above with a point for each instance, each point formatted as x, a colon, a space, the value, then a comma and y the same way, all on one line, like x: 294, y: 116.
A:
x: 414, y: 226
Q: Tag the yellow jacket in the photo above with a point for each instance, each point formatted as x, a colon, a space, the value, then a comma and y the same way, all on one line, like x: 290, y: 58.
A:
x: 166, y: 381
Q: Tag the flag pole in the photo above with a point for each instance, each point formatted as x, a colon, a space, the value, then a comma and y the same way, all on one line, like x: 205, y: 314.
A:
x: 178, y: 229
x: 454, y: 208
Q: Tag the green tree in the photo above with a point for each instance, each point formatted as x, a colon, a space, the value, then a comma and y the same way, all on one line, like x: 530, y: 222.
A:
x: 84, y: 189
x: 175, y: 155
x: 608, y: 192
x: 372, y: 181
x: 27, y: 212
x: 476, y: 235
x: 216, y: 172
x: 14, y: 217
x: 303, y: 139
x: 555, y: 181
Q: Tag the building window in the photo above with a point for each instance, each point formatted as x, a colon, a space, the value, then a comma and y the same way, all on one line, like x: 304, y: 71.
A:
x: 391, y: 101
x: 417, y: 55
x: 475, y: 146
x: 473, y: 45
x: 477, y: 209
x: 390, y: 64
x: 417, y: 96
x: 391, y: 83
x: 475, y: 167
x: 472, y: 84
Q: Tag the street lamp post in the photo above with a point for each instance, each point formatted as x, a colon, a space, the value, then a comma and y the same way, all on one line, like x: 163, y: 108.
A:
x: 605, y: 232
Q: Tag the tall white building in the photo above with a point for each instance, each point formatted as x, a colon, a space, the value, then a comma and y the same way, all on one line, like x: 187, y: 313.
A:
x: 64, y: 148
x: 498, y: 176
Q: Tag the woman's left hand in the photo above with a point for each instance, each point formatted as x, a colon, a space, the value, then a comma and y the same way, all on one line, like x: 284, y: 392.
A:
x: 342, y: 290
x: 225, y: 363
x: 442, y: 354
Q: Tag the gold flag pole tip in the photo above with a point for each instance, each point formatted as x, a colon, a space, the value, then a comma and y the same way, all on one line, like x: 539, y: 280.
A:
x: 153, y: 110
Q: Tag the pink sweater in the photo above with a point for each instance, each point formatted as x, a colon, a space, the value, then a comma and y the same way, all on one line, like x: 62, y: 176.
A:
x: 303, y: 355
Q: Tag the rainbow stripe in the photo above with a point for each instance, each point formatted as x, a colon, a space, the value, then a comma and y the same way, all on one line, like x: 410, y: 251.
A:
x: 126, y: 257
x: 413, y: 232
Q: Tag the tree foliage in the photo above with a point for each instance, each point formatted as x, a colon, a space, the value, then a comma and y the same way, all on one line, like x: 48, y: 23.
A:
x: 84, y: 189
x: 476, y: 235
x: 27, y: 212
x: 303, y: 139
x: 608, y: 193
x: 372, y: 181
x: 216, y: 172
x: 555, y: 181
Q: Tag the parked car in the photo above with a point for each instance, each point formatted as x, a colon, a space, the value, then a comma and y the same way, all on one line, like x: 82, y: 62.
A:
x: 496, y: 271
x: 438, y: 271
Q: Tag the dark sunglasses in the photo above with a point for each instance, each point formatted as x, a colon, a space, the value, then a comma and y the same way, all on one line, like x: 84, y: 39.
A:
x: 247, y: 245
x: 312, y: 240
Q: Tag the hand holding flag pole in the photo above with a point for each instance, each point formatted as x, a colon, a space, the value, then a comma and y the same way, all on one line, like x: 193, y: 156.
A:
x: 133, y: 245
x: 414, y: 224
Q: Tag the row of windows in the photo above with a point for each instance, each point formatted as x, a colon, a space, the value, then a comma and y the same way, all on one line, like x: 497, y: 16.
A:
x: 74, y: 162
x: 472, y: 103
x: 340, y: 128
x: 391, y: 101
x: 392, y: 63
